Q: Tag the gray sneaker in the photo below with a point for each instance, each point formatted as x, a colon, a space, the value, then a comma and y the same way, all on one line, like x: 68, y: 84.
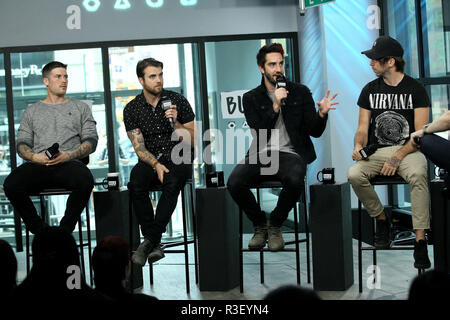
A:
x: 140, y: 255
x: 156, y: 254
x: 258, y: 241
x: 276, y: 241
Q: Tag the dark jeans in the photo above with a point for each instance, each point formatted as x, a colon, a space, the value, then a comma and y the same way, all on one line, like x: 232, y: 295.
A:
x: 142, y: 178
x: 437, y: 149
x: 32, y: 178
x: 291, y: 173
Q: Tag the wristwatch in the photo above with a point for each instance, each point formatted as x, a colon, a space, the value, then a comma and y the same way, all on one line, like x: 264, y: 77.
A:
x: 425, y: 128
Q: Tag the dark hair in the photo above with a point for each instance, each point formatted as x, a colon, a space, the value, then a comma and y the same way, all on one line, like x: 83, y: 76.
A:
x: 109, y: 260
x: 8, y: 268
x: 144, y: 63
x: 292, y: 293
x: 54, y: 246
x: 399, y: 63
x: 268, y: 48
x: 431, y: 286
x: 50, y: 66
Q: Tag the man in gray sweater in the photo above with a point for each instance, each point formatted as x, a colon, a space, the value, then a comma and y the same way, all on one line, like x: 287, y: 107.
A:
x: 61, y: 120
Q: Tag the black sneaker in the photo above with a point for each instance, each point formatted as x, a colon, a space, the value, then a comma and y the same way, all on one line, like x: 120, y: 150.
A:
x: 421, y: 260
x: 382, y: 239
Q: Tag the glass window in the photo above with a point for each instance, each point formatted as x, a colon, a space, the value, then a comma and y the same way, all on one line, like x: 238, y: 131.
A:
x: 401, y: 25
x: 84, y: 68
x: 436, y: 33
x: 5, y: 161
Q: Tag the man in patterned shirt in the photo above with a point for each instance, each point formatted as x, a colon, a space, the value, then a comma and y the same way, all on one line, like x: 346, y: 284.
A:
x: 155, y: 129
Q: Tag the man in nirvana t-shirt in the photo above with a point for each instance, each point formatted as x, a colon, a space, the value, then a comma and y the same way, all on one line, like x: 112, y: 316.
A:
x: 391, y: 108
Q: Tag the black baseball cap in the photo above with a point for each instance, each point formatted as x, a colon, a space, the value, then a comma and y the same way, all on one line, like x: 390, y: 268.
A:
x: 384, y: 46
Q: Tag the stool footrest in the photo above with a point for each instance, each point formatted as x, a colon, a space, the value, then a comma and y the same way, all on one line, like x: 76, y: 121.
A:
x: 389, y: 249
x: 267, y: 250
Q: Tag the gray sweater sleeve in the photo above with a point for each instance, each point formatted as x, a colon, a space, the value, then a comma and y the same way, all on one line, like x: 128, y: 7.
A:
x: 25, y: 134
x: 88, y: 126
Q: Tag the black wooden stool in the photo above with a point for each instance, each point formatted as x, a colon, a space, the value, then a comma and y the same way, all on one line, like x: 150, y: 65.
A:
x: 45, y: 217
x: 267, y: 185
x: 185, y: 242
x: 376, y: 181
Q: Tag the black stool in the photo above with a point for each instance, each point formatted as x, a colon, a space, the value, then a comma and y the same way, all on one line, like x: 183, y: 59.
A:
x: 267, y: 185
x: 376, y: 181
x: 446, y: 197
x: 185, y: 242
x: 45, y: 217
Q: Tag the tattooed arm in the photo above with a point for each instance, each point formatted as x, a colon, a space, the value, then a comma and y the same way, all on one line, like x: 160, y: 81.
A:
x: 26, y: 153
x: 82, y: 151
x: 137, y: 139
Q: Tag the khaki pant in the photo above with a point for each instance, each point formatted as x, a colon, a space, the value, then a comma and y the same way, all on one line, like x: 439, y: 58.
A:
x: 413, y: 168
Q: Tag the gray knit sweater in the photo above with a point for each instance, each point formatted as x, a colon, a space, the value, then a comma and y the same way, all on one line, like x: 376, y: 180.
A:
x: 69, y: 124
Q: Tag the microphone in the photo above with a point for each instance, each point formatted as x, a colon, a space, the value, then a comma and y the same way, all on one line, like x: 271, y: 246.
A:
x: 368, y: 150
x: 166, y: 103
x: 281, y: 83
x: 53, y: 151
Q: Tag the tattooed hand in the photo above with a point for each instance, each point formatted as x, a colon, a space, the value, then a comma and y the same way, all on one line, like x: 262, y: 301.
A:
x: 390, y: 166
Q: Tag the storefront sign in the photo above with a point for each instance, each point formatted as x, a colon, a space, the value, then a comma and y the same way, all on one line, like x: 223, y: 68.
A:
x: 231, y: 103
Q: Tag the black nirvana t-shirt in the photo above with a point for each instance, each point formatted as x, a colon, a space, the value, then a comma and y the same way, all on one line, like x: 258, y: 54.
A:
x: 392, y: 118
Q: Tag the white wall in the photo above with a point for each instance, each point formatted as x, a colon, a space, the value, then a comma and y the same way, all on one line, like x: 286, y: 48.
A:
x: 37, y: 22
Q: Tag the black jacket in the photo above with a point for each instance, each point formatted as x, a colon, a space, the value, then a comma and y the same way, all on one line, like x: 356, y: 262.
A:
x: 299, y: 114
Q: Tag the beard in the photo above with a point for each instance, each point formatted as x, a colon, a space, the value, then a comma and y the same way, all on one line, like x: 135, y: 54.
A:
x: 270, y: 78
x: 153, y: 91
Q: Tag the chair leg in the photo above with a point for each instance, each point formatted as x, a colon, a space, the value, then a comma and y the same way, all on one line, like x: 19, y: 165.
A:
x: 18, y: 231
x: 27, y: 245
x: 194, y: 231
x: 297, y: 251
x: 446, y: 258
x: 308, y: 243
x: 241, y: 262
x: 150, y: 270
x: 130, y: 239
x: 186, y: 250
x: 261, y: 265
x: 261, y: 252
x: 359, y: 248
x: 88, y: 225
x: 374, y: 257
x: 80, y: 237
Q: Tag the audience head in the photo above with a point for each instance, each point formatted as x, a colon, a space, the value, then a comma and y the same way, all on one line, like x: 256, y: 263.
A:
x: 292, y: 293
x: 431, y: 286
x: 8, y: 269
x: 110, y: 261
x: 54, y: 250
